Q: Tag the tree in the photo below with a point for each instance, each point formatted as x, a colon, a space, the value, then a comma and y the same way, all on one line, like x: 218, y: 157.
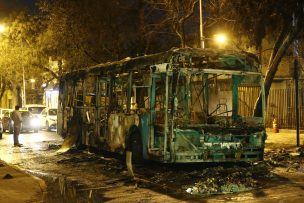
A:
x: 177, y: 13
x: 262, y: 19
x: 85, y: 33
x: 19, y: 51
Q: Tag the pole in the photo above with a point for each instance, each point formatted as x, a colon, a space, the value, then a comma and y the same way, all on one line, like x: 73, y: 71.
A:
x: 24, y: 98
x: 201, y: 25
x: 296, y: 79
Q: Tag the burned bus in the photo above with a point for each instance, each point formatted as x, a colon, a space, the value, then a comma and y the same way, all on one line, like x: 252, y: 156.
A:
x: 180, y: 106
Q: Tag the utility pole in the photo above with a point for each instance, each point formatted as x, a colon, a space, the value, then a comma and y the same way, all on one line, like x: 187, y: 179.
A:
x: 23, y: 98
x: 201, y: 25
x: 296, y: 78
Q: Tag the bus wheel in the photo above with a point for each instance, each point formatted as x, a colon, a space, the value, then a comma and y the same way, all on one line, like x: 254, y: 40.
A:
x: 134, y: 144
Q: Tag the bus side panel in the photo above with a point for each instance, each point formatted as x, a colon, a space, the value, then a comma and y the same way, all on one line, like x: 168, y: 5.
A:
x: 119, y: 125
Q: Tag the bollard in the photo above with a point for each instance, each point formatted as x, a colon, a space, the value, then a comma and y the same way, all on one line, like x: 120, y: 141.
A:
x: 275, y: 128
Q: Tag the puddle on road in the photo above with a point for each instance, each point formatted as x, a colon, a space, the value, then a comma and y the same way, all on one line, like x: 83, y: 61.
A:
x: 61, y: 190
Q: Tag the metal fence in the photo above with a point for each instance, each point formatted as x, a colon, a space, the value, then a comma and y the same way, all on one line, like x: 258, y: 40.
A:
x: 281, y: 105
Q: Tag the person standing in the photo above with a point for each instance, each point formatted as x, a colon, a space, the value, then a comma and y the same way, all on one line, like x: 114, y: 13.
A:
x: 17, y: 119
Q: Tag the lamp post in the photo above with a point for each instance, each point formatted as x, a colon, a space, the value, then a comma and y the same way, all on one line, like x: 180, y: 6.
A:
x: 23, y: 95
x: 201, y: 25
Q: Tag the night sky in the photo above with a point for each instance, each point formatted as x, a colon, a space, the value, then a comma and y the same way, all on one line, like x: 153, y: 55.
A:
x: 7, y: 6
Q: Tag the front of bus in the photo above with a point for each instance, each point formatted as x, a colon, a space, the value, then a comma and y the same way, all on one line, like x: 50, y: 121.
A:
x: 213, y: 98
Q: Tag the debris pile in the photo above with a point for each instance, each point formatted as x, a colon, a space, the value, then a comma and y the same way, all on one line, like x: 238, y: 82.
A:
x: 54, y: 146
x: 291, y: 159
x: 7, y: 176
x: 220, y: 180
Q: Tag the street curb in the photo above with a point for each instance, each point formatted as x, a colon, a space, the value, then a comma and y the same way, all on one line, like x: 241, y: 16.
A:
x: 41, y: 182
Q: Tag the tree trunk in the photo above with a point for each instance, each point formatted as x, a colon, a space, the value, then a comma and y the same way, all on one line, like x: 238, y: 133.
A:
x: 19, y: 98
x: 178, y: 29
x: 280, y: 48
x: 3, y: 88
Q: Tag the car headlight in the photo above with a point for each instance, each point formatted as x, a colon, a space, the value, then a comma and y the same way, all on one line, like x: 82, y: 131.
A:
x: 35, y: 122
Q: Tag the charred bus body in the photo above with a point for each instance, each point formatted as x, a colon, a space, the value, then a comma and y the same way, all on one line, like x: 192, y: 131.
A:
x: 183, y: 105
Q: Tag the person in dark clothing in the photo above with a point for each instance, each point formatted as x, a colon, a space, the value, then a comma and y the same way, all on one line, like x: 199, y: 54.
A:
x: 17, y: 119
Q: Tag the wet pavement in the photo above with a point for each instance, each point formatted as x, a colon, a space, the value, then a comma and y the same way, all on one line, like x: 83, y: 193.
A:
x: 19, y: 187
x: 82, y: 176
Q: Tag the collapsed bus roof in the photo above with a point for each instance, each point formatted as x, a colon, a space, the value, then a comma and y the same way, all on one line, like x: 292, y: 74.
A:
x: 189, y: 57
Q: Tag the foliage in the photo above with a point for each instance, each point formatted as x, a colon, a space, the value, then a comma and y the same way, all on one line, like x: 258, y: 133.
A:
x: 263, y: 20
x: 19, y: 50
x: 17, y: 46
x: 177, y: 12
x: 77, y: 34
x: 84, y: 33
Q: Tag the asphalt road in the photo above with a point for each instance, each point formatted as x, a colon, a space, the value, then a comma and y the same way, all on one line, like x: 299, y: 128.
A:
x: 86, y: 177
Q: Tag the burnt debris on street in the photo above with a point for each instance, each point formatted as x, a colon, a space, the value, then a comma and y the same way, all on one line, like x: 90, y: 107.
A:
x: 81, y: 176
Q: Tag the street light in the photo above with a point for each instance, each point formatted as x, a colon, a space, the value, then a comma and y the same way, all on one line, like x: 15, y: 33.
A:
x: 32, y: 83
x: 201, y: 25
x: 220, y: 40
x: 2, y: 28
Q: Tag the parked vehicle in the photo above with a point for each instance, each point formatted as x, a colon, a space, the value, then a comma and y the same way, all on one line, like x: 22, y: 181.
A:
x: 4, y: 111
x: 48, y: 118
x: 30, y: 122
x: 35, y: 109
x: 5, y: 117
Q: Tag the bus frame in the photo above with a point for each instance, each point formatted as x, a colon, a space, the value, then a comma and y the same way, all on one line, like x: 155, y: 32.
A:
x: 169, y: 107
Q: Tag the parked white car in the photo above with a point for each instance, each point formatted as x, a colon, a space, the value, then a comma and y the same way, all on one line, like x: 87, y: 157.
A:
x: 5, y: 118
x: 35, y: 109
x: 48, y: 118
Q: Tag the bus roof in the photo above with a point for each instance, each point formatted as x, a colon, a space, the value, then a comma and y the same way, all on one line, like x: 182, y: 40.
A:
x: 188, y: 57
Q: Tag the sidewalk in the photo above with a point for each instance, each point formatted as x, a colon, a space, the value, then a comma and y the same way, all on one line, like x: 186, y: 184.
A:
x: 17, y: 186
x: 285, y: 138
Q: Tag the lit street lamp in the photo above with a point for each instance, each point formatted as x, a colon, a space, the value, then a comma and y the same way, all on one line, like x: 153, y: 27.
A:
x: 220, y: 40
x: 32, y: 83
x: 2, y: 28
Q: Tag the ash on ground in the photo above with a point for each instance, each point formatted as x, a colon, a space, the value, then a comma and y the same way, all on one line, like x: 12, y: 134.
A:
x: 220, y: 180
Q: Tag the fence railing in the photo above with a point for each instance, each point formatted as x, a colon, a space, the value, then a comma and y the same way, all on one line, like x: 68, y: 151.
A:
x: 281, y: 105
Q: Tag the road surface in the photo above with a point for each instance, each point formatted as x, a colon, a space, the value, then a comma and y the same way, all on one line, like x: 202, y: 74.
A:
x: 81, y: 176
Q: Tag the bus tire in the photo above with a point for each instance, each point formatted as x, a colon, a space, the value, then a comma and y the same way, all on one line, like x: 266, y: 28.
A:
x: 134, y: 144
